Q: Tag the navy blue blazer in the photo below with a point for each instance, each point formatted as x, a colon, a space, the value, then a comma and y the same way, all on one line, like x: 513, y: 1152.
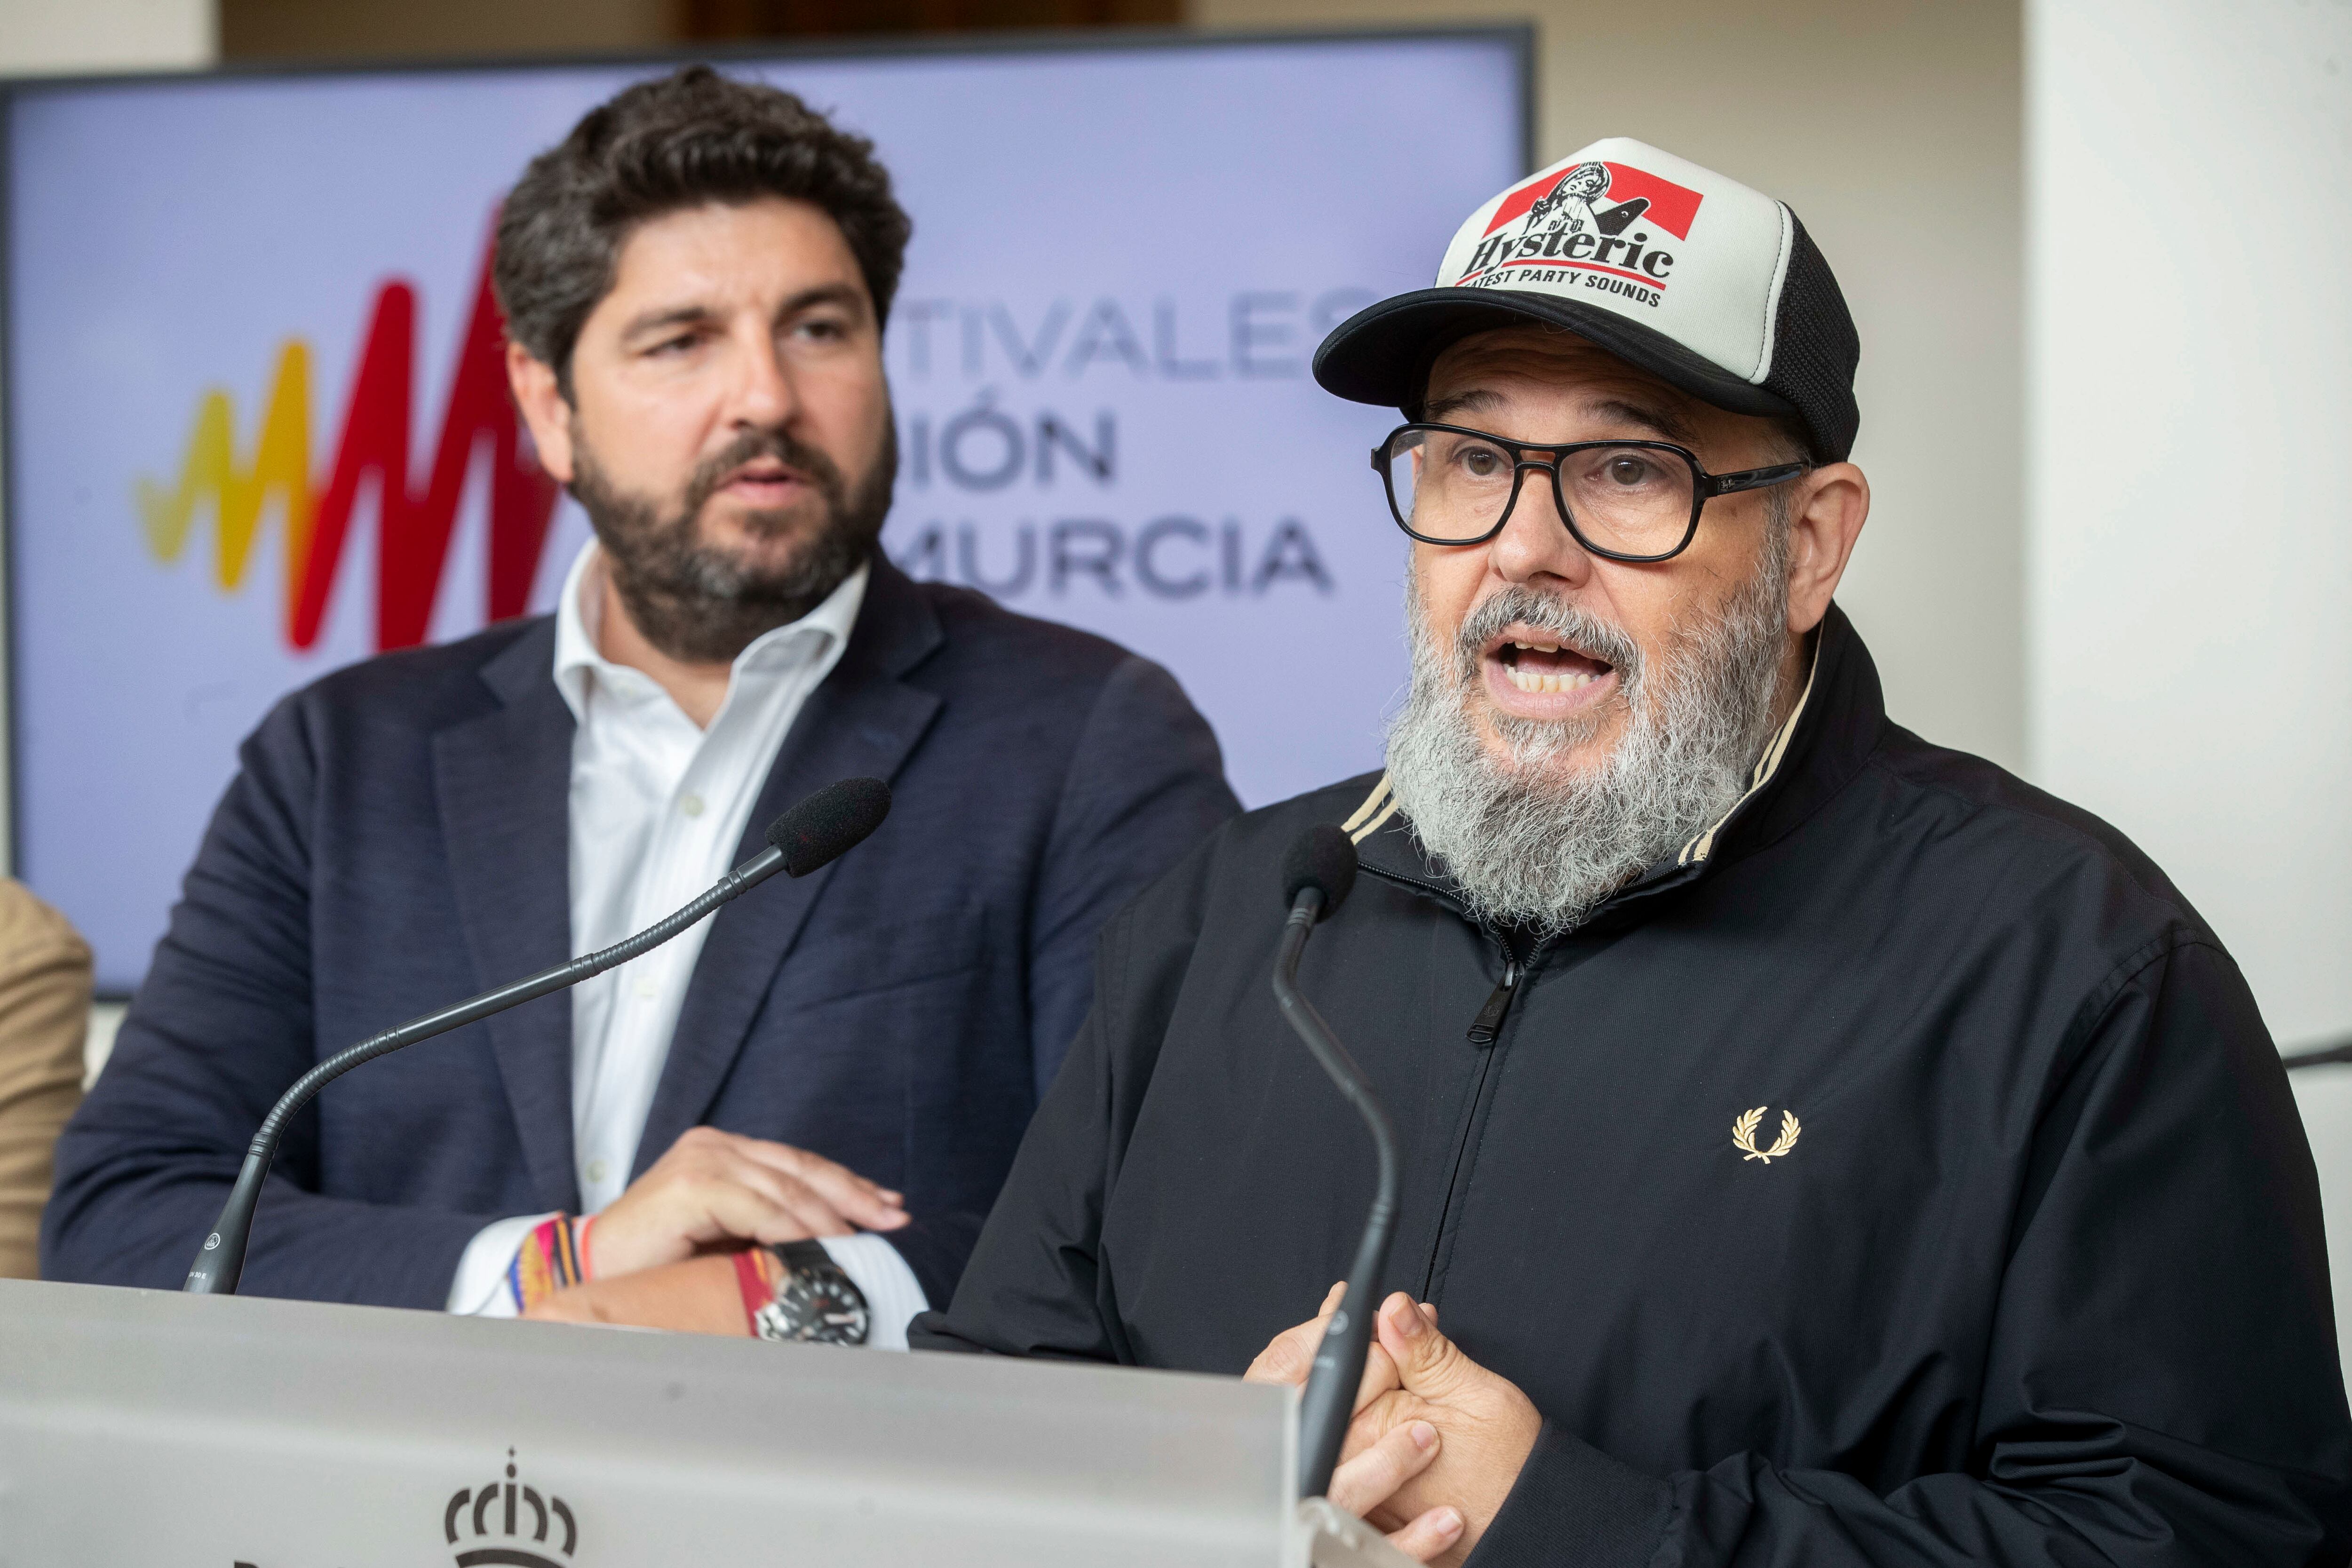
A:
x: 397, y: 839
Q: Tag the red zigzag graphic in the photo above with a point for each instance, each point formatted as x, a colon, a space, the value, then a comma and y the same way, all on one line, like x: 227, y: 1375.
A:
x: 412, y: 531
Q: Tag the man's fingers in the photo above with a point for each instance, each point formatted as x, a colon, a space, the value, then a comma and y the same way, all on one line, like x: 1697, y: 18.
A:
x: 809, y: 1167
x: 757, y: 1204
x: 711, y: 1188
x: 1368, y: 1480
x: 871, y: 1204
x: 1427, y: 1362
x: 1288, y: 1356
x: 1382, y: 1416
x: 1429, y: 1536
x: 800, y: 1211
x: 1380, y: 1377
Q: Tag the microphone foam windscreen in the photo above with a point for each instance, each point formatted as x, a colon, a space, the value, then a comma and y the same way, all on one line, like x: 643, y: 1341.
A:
x: 1322, y: 857
x: 829, y: 823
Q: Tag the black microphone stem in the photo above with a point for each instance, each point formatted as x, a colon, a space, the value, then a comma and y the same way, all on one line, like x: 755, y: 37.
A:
x: 1329, y: 1400
x: 222, y: 1260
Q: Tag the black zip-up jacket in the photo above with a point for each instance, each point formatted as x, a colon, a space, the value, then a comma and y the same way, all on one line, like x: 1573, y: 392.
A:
x: 2033, y: 1272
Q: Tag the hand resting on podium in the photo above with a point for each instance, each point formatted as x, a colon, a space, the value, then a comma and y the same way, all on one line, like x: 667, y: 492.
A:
x: 717, y: 1190
x: 721, y: 1236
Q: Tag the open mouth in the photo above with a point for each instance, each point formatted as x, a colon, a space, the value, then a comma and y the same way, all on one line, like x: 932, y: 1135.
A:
x: 763, y: 477
x: 1539, y: 675
x: 1546, y: 667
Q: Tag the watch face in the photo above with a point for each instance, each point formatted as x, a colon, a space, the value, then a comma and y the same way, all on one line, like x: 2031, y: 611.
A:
x: 817, y: 1305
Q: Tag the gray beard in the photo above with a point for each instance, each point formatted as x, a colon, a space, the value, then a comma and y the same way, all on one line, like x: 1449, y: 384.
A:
x: 1536, y: 849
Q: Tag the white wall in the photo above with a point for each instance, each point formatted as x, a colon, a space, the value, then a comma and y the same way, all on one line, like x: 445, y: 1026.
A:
x: 2189, y: 523
x: 1892, y: 127
x: 105, y: 34
x: 2189, y: 530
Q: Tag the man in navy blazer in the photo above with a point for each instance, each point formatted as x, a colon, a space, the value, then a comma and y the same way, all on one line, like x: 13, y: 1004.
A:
x: 859, y: 1051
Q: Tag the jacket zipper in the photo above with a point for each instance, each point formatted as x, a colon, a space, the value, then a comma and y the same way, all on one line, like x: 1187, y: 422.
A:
x: 1487, y: 1026
x: 1485, y: 1030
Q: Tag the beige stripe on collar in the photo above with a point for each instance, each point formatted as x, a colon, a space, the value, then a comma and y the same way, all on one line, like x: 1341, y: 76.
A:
x: 1367, y: 818
x: 1700, y: 847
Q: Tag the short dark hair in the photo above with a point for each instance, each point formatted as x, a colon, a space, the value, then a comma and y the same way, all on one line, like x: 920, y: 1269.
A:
x: 690, y: 138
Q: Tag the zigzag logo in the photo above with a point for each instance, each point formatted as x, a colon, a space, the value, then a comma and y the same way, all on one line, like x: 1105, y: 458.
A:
x: 413, y: 525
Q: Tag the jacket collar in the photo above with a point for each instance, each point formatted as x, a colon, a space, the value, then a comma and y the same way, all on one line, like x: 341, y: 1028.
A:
x: 502, y: 782
x: 1826, y: 739
x: 863, y: 720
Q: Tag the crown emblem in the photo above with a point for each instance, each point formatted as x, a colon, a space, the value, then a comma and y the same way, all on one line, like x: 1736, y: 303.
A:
x: 501, y: 1513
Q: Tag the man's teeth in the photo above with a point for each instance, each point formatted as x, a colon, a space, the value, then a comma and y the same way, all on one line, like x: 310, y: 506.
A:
x: 1550, y: 680
x: 1527, y: 679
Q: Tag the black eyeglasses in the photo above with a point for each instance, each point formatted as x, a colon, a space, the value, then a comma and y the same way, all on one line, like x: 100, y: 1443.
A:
x: 1627, y: 500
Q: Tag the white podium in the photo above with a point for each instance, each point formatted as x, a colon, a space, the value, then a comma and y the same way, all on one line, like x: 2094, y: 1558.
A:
x: 144, y: 1426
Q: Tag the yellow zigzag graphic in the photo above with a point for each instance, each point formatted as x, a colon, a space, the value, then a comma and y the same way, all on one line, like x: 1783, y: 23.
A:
x: 281, y: 462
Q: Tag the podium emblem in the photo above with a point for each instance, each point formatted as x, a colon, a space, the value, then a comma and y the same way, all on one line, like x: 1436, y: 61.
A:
x: 504, y: 1515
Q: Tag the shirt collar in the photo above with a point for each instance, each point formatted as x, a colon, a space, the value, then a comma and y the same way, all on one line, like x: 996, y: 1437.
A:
x: 579, y: 619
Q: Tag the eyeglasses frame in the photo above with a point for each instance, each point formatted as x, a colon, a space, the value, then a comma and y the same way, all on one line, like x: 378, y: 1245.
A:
x: 1704, y: 487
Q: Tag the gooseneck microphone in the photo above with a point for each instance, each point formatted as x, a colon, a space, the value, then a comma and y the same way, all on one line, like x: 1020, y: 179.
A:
x: 811, y: 833
x: 1316, y: 874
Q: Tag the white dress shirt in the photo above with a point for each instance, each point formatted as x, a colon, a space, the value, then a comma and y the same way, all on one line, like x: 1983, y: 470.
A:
x: 659, y: 807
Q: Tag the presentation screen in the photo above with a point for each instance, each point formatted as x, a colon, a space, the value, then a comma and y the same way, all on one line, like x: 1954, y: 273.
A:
x: 257, y: 423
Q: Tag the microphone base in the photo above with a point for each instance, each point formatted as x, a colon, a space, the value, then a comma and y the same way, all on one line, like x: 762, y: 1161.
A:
x: 220, y: 1262
x: 1325, y: 1535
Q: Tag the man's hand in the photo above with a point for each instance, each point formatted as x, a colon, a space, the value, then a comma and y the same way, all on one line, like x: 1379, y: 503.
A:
x: 698, y: 1296
x: 713, y: 1189
x: 1369, y: 1479
x: 1487, y: 1426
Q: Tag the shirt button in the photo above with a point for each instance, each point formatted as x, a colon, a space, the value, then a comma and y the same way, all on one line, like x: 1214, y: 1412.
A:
x: 647, y: 989
x: 595, y: 1170
x: 691, y: 805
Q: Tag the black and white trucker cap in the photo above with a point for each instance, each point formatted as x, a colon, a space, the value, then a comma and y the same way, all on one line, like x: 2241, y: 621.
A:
x: 1712, y: 287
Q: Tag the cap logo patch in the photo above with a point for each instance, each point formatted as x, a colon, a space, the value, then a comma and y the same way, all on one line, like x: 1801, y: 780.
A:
x: 1597, y: 224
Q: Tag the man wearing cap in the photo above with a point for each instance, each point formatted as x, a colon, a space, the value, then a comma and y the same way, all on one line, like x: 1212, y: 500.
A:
x: 1816, y: 1146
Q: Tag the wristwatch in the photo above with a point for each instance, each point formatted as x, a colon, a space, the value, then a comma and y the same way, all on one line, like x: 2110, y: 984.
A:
x: 816, y: 1302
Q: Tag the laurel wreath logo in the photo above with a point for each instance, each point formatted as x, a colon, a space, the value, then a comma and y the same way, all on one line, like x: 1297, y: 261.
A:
x: 1743, y: 1135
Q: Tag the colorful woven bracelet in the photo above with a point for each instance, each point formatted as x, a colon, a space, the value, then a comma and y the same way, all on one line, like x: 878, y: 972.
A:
x: 552, y: 1257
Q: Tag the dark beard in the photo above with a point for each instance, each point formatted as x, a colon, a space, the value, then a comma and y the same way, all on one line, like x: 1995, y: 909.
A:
x: 699, y: 604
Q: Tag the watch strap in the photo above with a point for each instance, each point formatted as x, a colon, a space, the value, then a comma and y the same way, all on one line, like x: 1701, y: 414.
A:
x: 757, y: 1274
x: 807, y: 1254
